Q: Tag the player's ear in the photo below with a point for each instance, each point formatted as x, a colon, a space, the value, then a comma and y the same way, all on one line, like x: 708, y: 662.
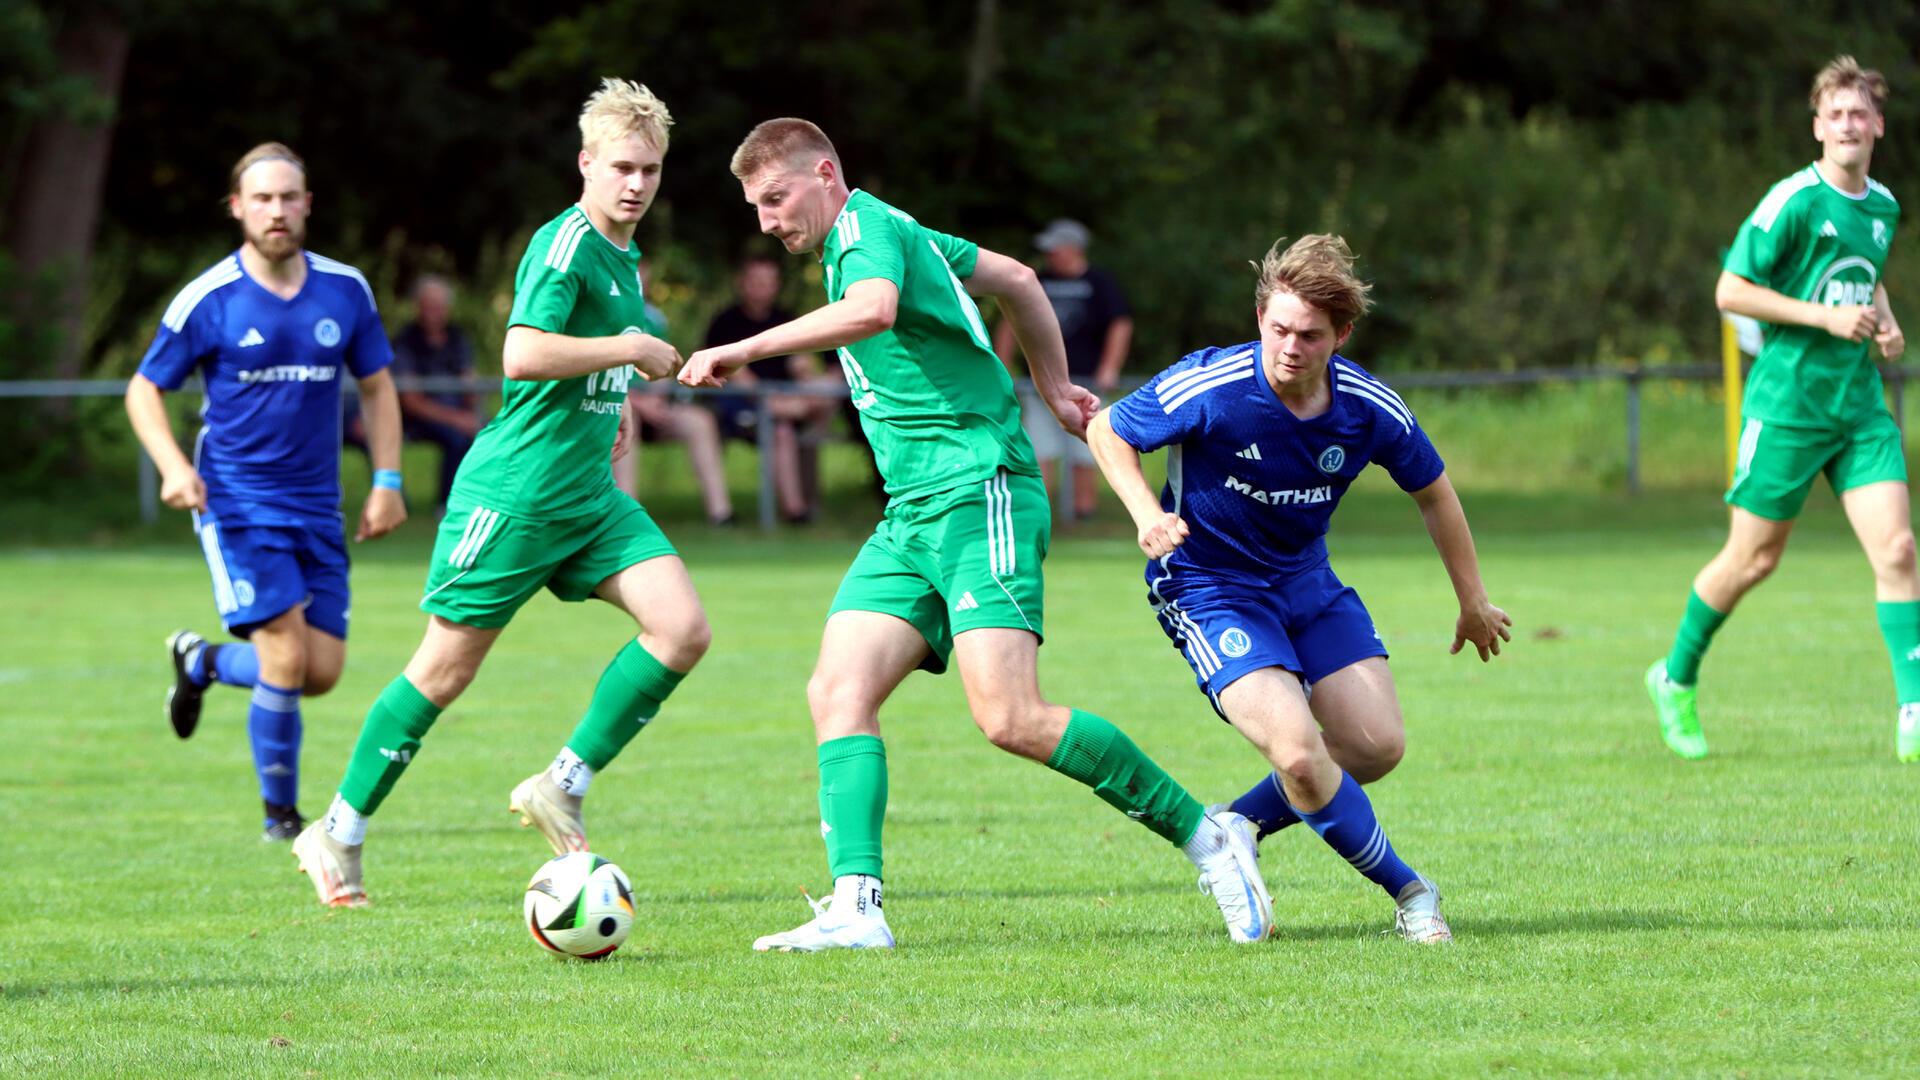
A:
x: 825, y: 172
x: 586, y: 161
x: 233, y: 206
x: 1340, y: 338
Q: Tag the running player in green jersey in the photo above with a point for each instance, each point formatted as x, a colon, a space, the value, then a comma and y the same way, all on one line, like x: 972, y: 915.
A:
x: 534, y: 506
x: 1807, y: 263
x: 953, y: 570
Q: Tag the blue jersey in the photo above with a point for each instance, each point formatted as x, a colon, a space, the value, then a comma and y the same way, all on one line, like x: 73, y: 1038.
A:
x: 1256, y: 484
x: 269, y: 443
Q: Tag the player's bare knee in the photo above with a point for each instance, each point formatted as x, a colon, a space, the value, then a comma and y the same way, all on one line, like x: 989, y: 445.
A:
x: 1013, y: 729
x: 1893, y: 558
x: 320, y: 681
x: 1371, y: 761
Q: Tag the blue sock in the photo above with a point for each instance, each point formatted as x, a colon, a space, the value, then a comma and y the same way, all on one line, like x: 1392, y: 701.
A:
x: 273, y: 724
x: 235, y: 665
x: 1348, y: 826
x: 1266, y: 807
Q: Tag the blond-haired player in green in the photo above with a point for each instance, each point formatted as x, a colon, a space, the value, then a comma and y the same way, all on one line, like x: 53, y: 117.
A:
x: 953, y: 570
x: 1807, y: 263
x: 534, y: 506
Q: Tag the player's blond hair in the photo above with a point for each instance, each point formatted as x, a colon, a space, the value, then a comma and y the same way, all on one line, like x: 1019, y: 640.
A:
x: 266, y: 151
x: 621, y: 108
x: 1319, y: 270
x: 786, y: 141
x: 1845, y: 73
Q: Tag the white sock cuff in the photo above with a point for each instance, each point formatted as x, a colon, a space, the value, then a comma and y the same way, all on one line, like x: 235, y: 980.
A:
x: 571, y: 774
x: 345, y: 824
x: 1207, y: 840
x: 856, y: 895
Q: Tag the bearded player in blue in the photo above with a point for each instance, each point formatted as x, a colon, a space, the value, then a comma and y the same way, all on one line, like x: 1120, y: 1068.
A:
x: 1263, y: 439
x: 270, y: 329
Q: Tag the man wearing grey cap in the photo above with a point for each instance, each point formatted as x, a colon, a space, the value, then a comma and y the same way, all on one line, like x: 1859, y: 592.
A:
x: 1097, y: 325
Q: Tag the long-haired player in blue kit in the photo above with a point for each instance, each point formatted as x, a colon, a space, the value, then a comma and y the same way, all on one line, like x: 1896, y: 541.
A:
x: 1263, y: 439
x: 271, y: 329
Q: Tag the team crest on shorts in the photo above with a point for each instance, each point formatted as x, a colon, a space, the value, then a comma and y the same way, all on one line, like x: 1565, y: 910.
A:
x: 327, y: 333
x: 1235, y: 642
x: 1331, y: 459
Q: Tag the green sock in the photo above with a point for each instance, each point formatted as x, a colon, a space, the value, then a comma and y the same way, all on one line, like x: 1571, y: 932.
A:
x: 1900, y: 626
x: 1101, y: 756
x: 388, y: 740
x: 853, y: 803
x: 629, y: 695
x: 1690, y: 644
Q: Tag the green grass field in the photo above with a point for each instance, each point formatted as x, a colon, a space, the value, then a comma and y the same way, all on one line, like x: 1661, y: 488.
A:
x: 1617, y: 910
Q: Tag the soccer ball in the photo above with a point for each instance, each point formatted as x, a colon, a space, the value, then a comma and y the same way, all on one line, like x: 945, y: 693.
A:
x: 579, y: 905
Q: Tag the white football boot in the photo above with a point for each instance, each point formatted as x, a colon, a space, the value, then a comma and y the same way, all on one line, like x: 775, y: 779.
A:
x: 828, y: 929
x: 333, y: 866
x: 1417, y: 916
x: 1231, y: 875
x: 541, y: 804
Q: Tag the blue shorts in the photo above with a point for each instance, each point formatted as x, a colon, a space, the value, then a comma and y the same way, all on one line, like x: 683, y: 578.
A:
x: 260, y: 572
x: 1310, y: 624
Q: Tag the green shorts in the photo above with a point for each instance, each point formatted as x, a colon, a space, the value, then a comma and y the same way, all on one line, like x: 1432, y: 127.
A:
x: 486, y: 564
x: 1777, y: 464
x: 963, y: 559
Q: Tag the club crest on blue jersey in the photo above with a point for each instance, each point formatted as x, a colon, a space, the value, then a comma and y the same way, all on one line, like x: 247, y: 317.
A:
x: 327, y: 333
x: 1331, y: 459
x: 1235, y: 642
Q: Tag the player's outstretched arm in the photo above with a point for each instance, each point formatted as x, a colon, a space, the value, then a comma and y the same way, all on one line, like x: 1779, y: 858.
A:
x: 1480, y: 622
x: 531, y: 354
x: 1158, y: 531
x: 1891, y: 341
x: 380, y: 405
x: 1851, y: 322
x: 180, y: 483
x: 868, y: 308
x: 1017, y: 288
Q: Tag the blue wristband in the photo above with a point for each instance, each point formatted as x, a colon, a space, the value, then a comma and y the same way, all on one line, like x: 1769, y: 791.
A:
x: 387, y: 478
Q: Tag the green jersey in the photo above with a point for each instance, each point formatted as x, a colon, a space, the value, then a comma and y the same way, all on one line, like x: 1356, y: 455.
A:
x: 934, y: 400
x: 1811, y: 241
x: 544, y: 456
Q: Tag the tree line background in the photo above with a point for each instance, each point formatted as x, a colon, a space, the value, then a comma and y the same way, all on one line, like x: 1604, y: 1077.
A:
x: 1528, y: 182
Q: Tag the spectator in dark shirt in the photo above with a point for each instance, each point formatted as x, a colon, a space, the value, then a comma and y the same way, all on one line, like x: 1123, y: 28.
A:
x: 663, y: 414
x: 1097, y: 325
x: 432, y: 346
x: 757, y: 287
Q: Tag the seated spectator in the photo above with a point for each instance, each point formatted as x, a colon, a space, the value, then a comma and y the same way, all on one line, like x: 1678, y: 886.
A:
x: 431, y: 346
x: 662, y: 414
x: 798, y: 419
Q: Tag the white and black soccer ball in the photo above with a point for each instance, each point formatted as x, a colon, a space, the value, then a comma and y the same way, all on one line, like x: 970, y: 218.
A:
x: 579, y: 905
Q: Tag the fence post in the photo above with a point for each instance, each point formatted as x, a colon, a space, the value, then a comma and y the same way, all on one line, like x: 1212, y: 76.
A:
x: 1899, y: 388
x: 763, y: 437
x: 149, y: 490
x: 1633, y: 429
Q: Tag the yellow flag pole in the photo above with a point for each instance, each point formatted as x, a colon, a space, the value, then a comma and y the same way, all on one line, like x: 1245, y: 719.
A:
x: 1730, y: 376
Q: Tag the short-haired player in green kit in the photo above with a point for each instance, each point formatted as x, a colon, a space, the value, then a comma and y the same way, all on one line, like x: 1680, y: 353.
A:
x: 1807, y: 263
x: 534, y: 506
x: 953, y: 570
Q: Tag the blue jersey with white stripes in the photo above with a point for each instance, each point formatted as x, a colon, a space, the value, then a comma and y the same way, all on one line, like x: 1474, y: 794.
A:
x: 269, y: 442
x: 1256, y: 484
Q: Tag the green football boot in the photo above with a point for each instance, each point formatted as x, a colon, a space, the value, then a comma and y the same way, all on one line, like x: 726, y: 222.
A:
x: 1679, y: 723
x: 1906, y: 740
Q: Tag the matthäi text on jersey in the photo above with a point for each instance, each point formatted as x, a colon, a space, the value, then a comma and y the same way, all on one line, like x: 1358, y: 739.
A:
x: 1296, y: 497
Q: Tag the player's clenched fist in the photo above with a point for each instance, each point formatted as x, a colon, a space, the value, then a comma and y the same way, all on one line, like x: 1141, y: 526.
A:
x: 1853, y: 322
x: 1161, y: 536
x: 654, y: 357
x: 184, y: 490
x: 710, y: 367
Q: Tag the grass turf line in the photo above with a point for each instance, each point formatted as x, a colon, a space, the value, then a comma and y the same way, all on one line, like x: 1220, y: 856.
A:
x: 1618, y: 910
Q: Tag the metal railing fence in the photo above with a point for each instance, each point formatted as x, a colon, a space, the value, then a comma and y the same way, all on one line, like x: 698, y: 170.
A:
x: 1633, y: 379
